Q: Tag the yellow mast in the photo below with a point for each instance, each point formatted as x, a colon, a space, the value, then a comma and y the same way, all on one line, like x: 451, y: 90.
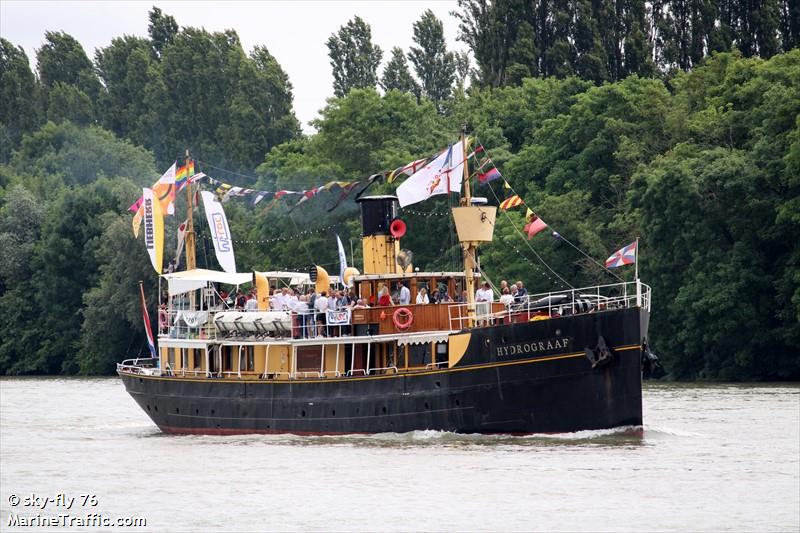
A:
x: 470, y: 248
x: 190, y: 243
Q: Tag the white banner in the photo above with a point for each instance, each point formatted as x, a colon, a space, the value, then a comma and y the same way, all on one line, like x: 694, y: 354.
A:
x: 220, y: 232
x: 443, y: 174
x: 153, y: 229
x: 342, y: 261
x: 339, y: 318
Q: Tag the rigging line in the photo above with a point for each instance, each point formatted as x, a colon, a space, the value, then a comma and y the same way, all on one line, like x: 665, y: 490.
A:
x: 592, y: 259
x: 302, y: 241
x: 539, y: 257
x: 559, y: 234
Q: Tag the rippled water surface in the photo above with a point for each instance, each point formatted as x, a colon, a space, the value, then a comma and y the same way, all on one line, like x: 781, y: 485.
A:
x: 712, y: 457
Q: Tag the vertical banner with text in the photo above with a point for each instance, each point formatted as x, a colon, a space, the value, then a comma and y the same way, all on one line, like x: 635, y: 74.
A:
x: 220, y: 232
x: 153, y: 229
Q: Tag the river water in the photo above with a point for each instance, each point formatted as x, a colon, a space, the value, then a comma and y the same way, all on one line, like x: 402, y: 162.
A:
x: 711, y: 458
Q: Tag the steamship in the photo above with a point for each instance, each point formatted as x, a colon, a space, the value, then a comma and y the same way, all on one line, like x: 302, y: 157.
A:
x: 547, y: 363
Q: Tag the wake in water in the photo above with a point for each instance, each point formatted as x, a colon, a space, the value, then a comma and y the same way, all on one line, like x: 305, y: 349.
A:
x: 625, y: 436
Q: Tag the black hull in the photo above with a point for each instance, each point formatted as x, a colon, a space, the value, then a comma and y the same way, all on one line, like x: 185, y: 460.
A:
x: 493, y: 389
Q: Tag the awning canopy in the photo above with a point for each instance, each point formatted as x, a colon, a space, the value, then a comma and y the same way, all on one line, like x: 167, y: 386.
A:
x: 423, y: 338
x: 191, y: 280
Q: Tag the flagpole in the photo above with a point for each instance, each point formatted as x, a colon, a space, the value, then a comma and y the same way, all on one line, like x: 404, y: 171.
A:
x: 636, y: 275
x: 190, y: 242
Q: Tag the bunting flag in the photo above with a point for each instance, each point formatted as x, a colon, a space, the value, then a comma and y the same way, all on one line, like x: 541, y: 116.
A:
x: 306, y: 195
x: 512, y: 202
x: 220, y: 232
x: 183, y: 174
x: 506, y: 185
x: 535, y: 225
x: 624, y: 256
x: 440, y: 176
x: 147, y: 327
x: 490, y: 175
x: 346, y: 190
x: 135, y: 205
x: 372, y: 179
x: 478, y: 150
x: 409, y: 170
x: 153, y: 229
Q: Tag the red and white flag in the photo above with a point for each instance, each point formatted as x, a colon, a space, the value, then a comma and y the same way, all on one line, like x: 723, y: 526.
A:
x: 147, y: 329
x: 623, y: 256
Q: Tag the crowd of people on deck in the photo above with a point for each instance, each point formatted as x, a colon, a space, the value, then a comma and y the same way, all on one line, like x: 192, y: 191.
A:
x: 287, y: 299
x: 312, y: 307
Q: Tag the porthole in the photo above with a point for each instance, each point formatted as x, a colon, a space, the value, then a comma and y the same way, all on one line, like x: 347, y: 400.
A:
x: 333, y: 412
x: 458, y: 403
x: 148, y: 407
x: 212, y: 411
x: 426, y: 405
x: 178, y: 410
x: 438, y: 384
x: 156, y: 408
x: 384, y: 409
x: 303, y: 412
x: 197, y: 411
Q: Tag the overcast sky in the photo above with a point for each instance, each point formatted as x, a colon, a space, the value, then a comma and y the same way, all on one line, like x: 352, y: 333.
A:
x: 294, y: 32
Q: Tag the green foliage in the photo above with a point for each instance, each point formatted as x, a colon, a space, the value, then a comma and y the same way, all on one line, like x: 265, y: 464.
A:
x: 397, y: 76
x: 703, y: 168
x: 61, y: 61
x: 67, y: 102
x: 604, y: 40
x: 354, y: 58
x: 434, y: 65
x: 79, y: 156
x: 162, y: 29
x: 18, y: 111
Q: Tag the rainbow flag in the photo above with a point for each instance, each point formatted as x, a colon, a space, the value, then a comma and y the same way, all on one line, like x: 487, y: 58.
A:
x: 183, y: 174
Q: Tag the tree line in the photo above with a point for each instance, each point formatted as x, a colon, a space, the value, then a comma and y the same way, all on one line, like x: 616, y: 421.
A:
x: 701, y: 164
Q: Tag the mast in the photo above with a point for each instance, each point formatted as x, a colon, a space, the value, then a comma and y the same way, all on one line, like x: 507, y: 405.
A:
x: 470, y: 248
x: 190, y: 247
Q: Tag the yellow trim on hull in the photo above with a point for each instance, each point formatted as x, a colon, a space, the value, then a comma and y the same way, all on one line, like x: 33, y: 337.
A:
x: 388, y: 376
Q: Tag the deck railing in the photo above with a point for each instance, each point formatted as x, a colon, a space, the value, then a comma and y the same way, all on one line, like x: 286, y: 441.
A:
x: 552, y: 304
x: 183, y: 324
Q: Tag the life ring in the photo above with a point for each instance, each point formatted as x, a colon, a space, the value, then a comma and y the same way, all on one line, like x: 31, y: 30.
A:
x: 403, y: 318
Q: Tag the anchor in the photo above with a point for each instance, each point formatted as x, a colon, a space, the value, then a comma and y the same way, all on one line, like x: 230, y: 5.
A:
x: 600, y: 355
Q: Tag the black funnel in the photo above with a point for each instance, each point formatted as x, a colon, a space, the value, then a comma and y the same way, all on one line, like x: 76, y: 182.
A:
x: 377, y: 213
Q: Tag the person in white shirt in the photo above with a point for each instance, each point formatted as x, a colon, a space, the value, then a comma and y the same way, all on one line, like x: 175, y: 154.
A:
x: 321, y: 307
x: 484, y: 294
x: 276, y: 302
x: 304, y: 318
x: 483, y: 301
x: 506, y: 298
x: 422, y: 296
x: 405, y: 294
x: 252, y: 304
